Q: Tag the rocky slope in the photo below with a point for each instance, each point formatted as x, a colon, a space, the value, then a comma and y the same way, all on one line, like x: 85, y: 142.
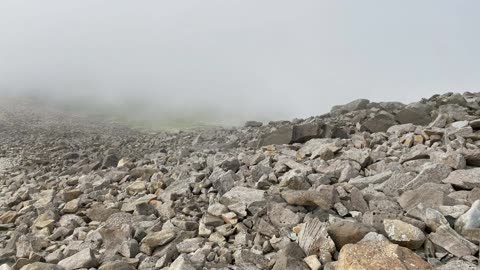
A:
x: 367, y: 186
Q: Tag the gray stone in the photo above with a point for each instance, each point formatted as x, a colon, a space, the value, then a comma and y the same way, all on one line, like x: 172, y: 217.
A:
x: 117, y: 265
x: 99, y: 213
x: 464, y: 179
x: 404, y: 234
x: 392, y: 186
x: 190, y: 245
x: 455, y: 112
x: 431, y: 173
x: 447, y: 238
x: 40, y: 266
x: 82, y: 259
x: 294, y: 179
x: 348, y: 232
x: 223, y: 181
x: 253, y: 124
x: 182, y: 263
x: 280, y: 136
x: 313, y: 238
x: 400, y: 130
x: 280, y: 216
x: 361, y: 156
x: 243, y: 195
x: 410, y: 199
x: 470, y: 220
x: 379, y: 123
x: 472, y: 157
x: 156, y: 239
x: 363, y: 182
x: 359, y: 104
x: 246, y: 257
x: 323, y: 199
x: 457, y: 264
x: 417, y: 115
x: 291, y: 257
x: 304, y: 132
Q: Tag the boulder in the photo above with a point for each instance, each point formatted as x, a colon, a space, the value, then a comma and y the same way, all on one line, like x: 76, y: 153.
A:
x: 358, y: 104
x: 379, y: 123
x: 290, y: 257
x: 323, y: 199
x: 242, y: 195
x: 464, y: 179
x: 82, y: 259
x: 41, y: 266
x: 348, y: 232
x: 417, y: 115
x: 470, y: 221
x: 379, y: 255
x: 448, y: 239
x: 404, y: 234
x: 253, y: 124
x: 313, y: 238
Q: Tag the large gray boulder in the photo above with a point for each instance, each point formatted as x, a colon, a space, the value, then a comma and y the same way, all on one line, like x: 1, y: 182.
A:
x: 82, y: 259
x: 417, y: 114
x: 379, y: 123
x: 358, y: 104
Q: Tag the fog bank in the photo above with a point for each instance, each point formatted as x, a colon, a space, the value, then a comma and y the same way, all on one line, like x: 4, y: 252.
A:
x: 235, y: 60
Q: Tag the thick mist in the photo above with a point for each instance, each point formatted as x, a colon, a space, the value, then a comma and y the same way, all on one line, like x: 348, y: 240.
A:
x: 229, y: 61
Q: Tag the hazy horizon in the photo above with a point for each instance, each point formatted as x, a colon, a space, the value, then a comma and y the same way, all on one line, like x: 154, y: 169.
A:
x: 238, y: 60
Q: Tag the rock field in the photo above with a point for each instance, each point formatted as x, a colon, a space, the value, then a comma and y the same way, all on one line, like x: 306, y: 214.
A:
x: 368, y: 186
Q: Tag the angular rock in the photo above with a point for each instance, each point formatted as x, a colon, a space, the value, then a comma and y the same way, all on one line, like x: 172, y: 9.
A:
x: 324, y: 200
x: 295, y: 179
x: 464, y: 179
x: 348, y: 232
x: 253, y: 124
x: 291, y: 257
x: 414, y: 115
x: 280, y: 216
x: 182, y: 263
x: 379, y: 123
x: 118, y: 265
x: 41, y: 266
x: 379, y: 255
x: 470, y: 221
x: 447, y: 238
x: 358, y: 104
x: 313, y: 238
x: 433, y: 173
x: 363, y: 182
x: 243, y: 195
x: 457, y: 265
x: 156, y: 239
x: 82, y: 259
x: 404, y: 234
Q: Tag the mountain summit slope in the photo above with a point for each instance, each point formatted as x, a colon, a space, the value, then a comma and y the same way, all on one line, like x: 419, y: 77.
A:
x: 367, y: 186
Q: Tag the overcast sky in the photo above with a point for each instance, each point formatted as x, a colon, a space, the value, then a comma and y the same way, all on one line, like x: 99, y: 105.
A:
x: 251, y: 59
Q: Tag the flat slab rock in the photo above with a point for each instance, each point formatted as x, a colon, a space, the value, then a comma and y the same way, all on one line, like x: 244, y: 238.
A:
x: 465, y: 179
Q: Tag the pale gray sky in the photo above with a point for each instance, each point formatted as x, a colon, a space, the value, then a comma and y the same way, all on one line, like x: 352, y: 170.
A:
x: 252, y: 59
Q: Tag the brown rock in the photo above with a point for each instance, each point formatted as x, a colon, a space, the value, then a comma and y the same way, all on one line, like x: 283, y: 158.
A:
x: 379, y: 255
x: 347, y: 232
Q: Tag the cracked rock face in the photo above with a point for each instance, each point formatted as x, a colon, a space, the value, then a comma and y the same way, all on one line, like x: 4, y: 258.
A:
x: 366, y: 186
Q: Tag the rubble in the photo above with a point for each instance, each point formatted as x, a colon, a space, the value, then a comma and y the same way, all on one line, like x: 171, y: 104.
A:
x: 366, y: 186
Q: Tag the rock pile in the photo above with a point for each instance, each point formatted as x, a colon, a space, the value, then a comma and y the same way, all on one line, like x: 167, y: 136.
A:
x: 366, y: 186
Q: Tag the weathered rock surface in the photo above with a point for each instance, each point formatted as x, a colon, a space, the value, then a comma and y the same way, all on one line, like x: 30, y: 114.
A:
x: 378, y: 255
